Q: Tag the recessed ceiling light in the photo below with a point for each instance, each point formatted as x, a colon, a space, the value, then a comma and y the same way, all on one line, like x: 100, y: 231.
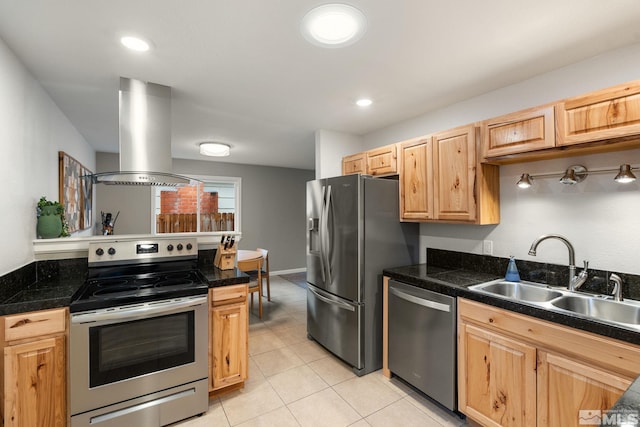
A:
x: 333, y: 25
x: 364, y: 102
x: 215, y: 149
x: 135, y: 43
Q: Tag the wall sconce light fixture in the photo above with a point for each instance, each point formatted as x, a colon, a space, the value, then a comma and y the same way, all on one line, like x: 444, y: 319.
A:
x: 577, y: 173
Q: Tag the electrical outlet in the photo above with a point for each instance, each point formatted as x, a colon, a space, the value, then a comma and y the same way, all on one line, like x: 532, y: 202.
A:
x: 487, y: 247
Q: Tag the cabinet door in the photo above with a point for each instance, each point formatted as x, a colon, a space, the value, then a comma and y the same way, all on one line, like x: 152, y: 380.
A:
x: 605, y: 114
x: 35, y: 384
x: 496, y: 378
x: 229, y: 350
x: 454, y: 171
x: 416, y: 180
x: 570, y: 392
x: 520, y: 132
x: 382, y: 161
x: 355, y: 163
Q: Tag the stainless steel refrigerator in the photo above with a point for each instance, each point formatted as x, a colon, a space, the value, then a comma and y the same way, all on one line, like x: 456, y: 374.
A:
x: 353, y: 233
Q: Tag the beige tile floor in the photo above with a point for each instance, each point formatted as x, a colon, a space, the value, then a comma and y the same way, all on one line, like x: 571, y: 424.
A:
x: 293, y: 381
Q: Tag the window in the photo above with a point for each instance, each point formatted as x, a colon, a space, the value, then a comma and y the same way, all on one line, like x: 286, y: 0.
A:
x: 211, y: 205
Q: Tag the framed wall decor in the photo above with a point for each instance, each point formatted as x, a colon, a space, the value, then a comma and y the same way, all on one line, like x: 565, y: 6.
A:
x: 75, y: 192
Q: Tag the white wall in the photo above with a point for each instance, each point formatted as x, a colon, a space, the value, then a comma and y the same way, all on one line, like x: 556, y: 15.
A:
x: 32, y: 132
x: 598, y: 216
x: 332, y: 145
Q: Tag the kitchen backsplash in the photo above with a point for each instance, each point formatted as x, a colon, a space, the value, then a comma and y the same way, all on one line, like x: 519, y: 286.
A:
x: 552, y: 274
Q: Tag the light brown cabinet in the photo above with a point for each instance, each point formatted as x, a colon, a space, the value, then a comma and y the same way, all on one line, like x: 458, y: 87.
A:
x: 382, y: 161
x: 34, y: 391
x: 605, y: 114
x: 416, y: 178
x: 378, y: 162
x: 536, y: 372
x: 566, y: 386
x: 521, y: 132
x: 355, y: 163
x: 441, y: 180
x: 228, y: 337
x: 497, y: 378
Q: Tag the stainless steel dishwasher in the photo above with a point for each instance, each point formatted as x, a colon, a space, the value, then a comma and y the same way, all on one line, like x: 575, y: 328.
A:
x: 422, y: 341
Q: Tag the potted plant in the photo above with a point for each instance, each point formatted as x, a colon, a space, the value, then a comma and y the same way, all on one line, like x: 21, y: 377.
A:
x: 51, y: 220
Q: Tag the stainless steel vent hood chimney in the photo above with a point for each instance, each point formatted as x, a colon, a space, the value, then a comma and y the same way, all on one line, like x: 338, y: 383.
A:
x: 145, y: 137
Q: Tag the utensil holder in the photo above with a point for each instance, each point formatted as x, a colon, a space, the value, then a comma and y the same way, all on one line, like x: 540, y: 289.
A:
x: 225, y: 259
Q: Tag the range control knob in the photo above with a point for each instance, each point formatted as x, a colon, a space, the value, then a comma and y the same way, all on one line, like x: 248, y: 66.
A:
x: 180, y: 246
x: 111, y: 251
x: 99, y: 251
x: 170, y: 247
x: 189, y: 246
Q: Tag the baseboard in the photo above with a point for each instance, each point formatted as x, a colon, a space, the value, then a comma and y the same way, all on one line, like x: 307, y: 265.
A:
x: 291, y: 271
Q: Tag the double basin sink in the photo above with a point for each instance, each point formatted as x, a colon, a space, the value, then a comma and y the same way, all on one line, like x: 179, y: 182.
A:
x: 595, y: 307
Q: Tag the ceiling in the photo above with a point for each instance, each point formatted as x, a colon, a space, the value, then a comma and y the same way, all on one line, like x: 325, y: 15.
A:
x: 243, y: 74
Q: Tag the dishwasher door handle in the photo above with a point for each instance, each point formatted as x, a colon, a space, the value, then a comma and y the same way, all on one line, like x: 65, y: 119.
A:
x: 420, y: 301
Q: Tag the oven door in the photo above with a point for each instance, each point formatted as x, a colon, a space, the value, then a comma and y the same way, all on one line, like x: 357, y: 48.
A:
x: 125, y: 352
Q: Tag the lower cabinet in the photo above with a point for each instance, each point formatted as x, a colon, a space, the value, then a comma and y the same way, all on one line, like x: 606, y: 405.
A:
x: 516, y: 370
x: 228, y: 337
x: 497, y: 383
x: 35, y: 365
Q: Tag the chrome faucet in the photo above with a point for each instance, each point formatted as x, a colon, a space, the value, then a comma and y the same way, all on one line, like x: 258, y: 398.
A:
x: 617, y: 286
x: 574, y: 281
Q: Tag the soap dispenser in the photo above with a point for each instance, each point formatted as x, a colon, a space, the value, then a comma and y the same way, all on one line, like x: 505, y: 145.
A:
x: 512, y: 271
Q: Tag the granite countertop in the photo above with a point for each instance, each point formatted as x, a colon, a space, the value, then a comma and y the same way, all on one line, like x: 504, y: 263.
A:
x: 57, y: 292
x: 454, y: 282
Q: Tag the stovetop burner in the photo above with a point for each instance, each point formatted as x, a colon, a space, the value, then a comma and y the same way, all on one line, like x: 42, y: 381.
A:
x: 139, y: 279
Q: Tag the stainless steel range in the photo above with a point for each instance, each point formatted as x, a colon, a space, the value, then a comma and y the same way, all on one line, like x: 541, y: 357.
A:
x: 138, y: 335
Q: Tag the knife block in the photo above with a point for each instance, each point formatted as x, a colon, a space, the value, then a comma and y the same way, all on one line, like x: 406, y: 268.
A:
x: 225, y: 258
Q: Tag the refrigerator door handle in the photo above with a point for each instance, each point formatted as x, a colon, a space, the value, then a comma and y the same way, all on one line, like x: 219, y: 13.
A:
x: 420, y: 301
x: 338, y: 304
x: 329, y: 233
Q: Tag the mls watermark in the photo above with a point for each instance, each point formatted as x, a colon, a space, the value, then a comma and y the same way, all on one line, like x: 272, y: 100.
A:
x: 619, y: 418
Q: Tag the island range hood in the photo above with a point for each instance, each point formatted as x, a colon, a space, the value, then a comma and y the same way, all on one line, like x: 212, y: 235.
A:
x: 145, y: 137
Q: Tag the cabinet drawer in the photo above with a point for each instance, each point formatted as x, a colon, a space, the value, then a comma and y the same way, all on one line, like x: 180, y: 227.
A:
x: 228, y: 294
x: 34, y: 324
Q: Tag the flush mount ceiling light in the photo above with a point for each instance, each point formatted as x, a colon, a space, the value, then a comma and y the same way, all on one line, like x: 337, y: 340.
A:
x: 214, y: 149
x: 333, y: 25
x: 364, y: 102
x: 135, y: 43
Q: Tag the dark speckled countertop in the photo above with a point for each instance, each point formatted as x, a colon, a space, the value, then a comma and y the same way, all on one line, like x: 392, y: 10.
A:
x: 454, y: 282
x: 57, y: 291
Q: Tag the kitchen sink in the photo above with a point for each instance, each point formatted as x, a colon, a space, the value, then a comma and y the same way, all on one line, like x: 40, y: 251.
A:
x: 600, y: 309
x: 597, y: 307
x: 519, y: 291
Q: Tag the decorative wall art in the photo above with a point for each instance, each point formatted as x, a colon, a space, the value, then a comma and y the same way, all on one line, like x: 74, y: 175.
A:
x: 75, y: 192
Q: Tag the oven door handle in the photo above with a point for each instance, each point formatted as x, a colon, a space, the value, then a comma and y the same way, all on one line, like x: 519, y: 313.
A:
x: 138, y: 311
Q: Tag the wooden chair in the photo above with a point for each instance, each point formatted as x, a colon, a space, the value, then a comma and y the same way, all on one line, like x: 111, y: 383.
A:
x: 254, y: 265
x: 264, y: 271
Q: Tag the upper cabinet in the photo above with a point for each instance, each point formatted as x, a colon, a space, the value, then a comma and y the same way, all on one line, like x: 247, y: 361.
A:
x: 378, y: 162
x: 441, y: 180
x: 604, y: 114
x: 520, y: 132
x: 416, y: 176
x: 355, y: 163
x: 382, y: 161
